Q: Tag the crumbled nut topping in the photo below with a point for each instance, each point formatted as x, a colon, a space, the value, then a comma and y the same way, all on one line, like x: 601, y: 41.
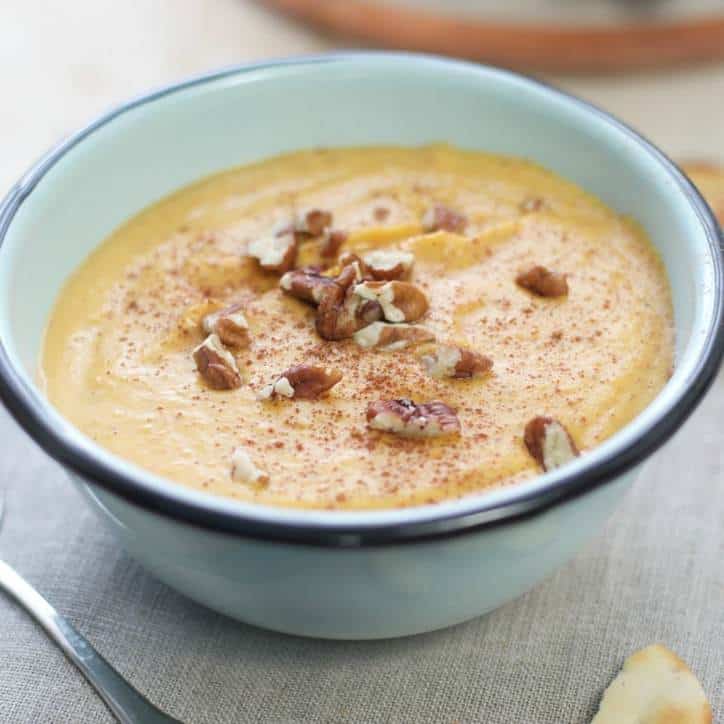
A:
x: 243, y: 469
x: 307, y: 284
x: 543, y: 282
x: 549, y: 443
x: 404, y: 417
x: 313, y: 222
x: 230, y: 325
x: 331, y: 242
x: 390, y: 337
x: 304, y: 382
x: 400, y: 301
x: 281, y: 387
x: 386, y: 265
x: 216, y: 364
x: 443, y: 218
x: 277, y: 251
x: 349, y: 259
x: 458, y: 362
x: 341, y: 311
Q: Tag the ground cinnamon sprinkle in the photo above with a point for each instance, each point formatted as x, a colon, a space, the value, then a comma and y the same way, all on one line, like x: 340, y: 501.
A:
x: 321, y: 453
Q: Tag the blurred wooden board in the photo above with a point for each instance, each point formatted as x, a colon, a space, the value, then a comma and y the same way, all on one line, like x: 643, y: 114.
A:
x: 632, y: 34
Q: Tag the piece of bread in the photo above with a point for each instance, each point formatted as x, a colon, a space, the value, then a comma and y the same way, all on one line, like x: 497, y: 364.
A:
x: 654, y: 687
x: 709, y: 179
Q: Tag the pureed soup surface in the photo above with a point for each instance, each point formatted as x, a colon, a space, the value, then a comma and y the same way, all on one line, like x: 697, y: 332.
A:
x: 118, y: 357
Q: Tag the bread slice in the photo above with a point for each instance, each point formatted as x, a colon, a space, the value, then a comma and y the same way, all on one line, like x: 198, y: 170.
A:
x: 654, y: 687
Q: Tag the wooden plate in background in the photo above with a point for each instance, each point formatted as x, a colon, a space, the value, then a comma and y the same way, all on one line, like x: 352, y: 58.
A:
x: 633, y: 40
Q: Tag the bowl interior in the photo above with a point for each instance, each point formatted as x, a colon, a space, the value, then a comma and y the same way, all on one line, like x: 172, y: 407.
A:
x: 153, y: 147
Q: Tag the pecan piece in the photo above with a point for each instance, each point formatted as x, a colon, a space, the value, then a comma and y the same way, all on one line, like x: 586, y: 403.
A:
x: 390, y: 337
x: 313, y: 222
x: 404, y: 417
x: 307, y: 284
x: 229, y: 324
x: 388, y: 264
x: 400, y: 301
x: 304, y: 382
x: 335, y: 317
x: 439, y: 217
x: 243, y: 469
x: 350, y: 259
x: 543, y: 282
x: 216, y: 364
x: 277, y: 251
x: 549, y: 443
x: 341, y: 312
x: 448, y: 361
x: 331, y: 242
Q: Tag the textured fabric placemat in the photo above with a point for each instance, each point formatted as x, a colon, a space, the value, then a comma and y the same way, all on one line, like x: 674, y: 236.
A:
x: 655, y: 574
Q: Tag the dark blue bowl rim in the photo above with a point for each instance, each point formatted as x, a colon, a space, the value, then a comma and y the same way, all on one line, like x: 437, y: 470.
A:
x: 29, y: 413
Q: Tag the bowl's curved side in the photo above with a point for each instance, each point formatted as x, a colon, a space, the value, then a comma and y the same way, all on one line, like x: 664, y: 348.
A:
x: 361, y: 593
x: 149, y: 147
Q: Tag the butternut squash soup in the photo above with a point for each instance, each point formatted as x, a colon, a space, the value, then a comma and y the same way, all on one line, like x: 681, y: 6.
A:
x: 363, y: 328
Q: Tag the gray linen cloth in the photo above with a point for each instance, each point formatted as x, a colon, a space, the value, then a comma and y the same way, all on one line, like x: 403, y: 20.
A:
x: 655, y: 574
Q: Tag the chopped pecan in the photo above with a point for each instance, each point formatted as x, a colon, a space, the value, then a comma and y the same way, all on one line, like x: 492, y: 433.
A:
x: 549, y: 443
x: 447, y: 361
x: 380, y: 213
x: 331, y: 242
x: 386, y: 265
x: 400, y: 301
x: 216, y: 364
x: 404, y: 417
x: 304, y: 382
x: 542, y: 282
x: 390, y: 337
x: 439, y: 217
x: 350, y: 259
x: 313, y: 222
x: 243, y: 469
x: 341, y: 312
x: 277, y: 251
x: 230, y: 324
x: 307, y: 284
x: 368, y: 312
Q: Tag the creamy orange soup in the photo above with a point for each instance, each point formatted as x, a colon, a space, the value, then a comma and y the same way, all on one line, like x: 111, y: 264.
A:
x: 118, y: 357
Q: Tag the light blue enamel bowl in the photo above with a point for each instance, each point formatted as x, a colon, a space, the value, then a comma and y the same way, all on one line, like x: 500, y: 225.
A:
x: 346, y: 574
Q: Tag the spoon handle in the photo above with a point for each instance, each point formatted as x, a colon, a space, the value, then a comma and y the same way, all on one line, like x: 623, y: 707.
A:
x: 126, y: 704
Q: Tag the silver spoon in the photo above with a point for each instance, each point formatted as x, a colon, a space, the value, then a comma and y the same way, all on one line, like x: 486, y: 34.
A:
x: 126, y: 704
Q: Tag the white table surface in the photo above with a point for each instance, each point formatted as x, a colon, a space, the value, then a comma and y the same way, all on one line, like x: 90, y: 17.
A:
x: 63, y: 62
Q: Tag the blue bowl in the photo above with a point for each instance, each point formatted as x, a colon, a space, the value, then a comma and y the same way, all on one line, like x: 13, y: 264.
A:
x: 347, y: 574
